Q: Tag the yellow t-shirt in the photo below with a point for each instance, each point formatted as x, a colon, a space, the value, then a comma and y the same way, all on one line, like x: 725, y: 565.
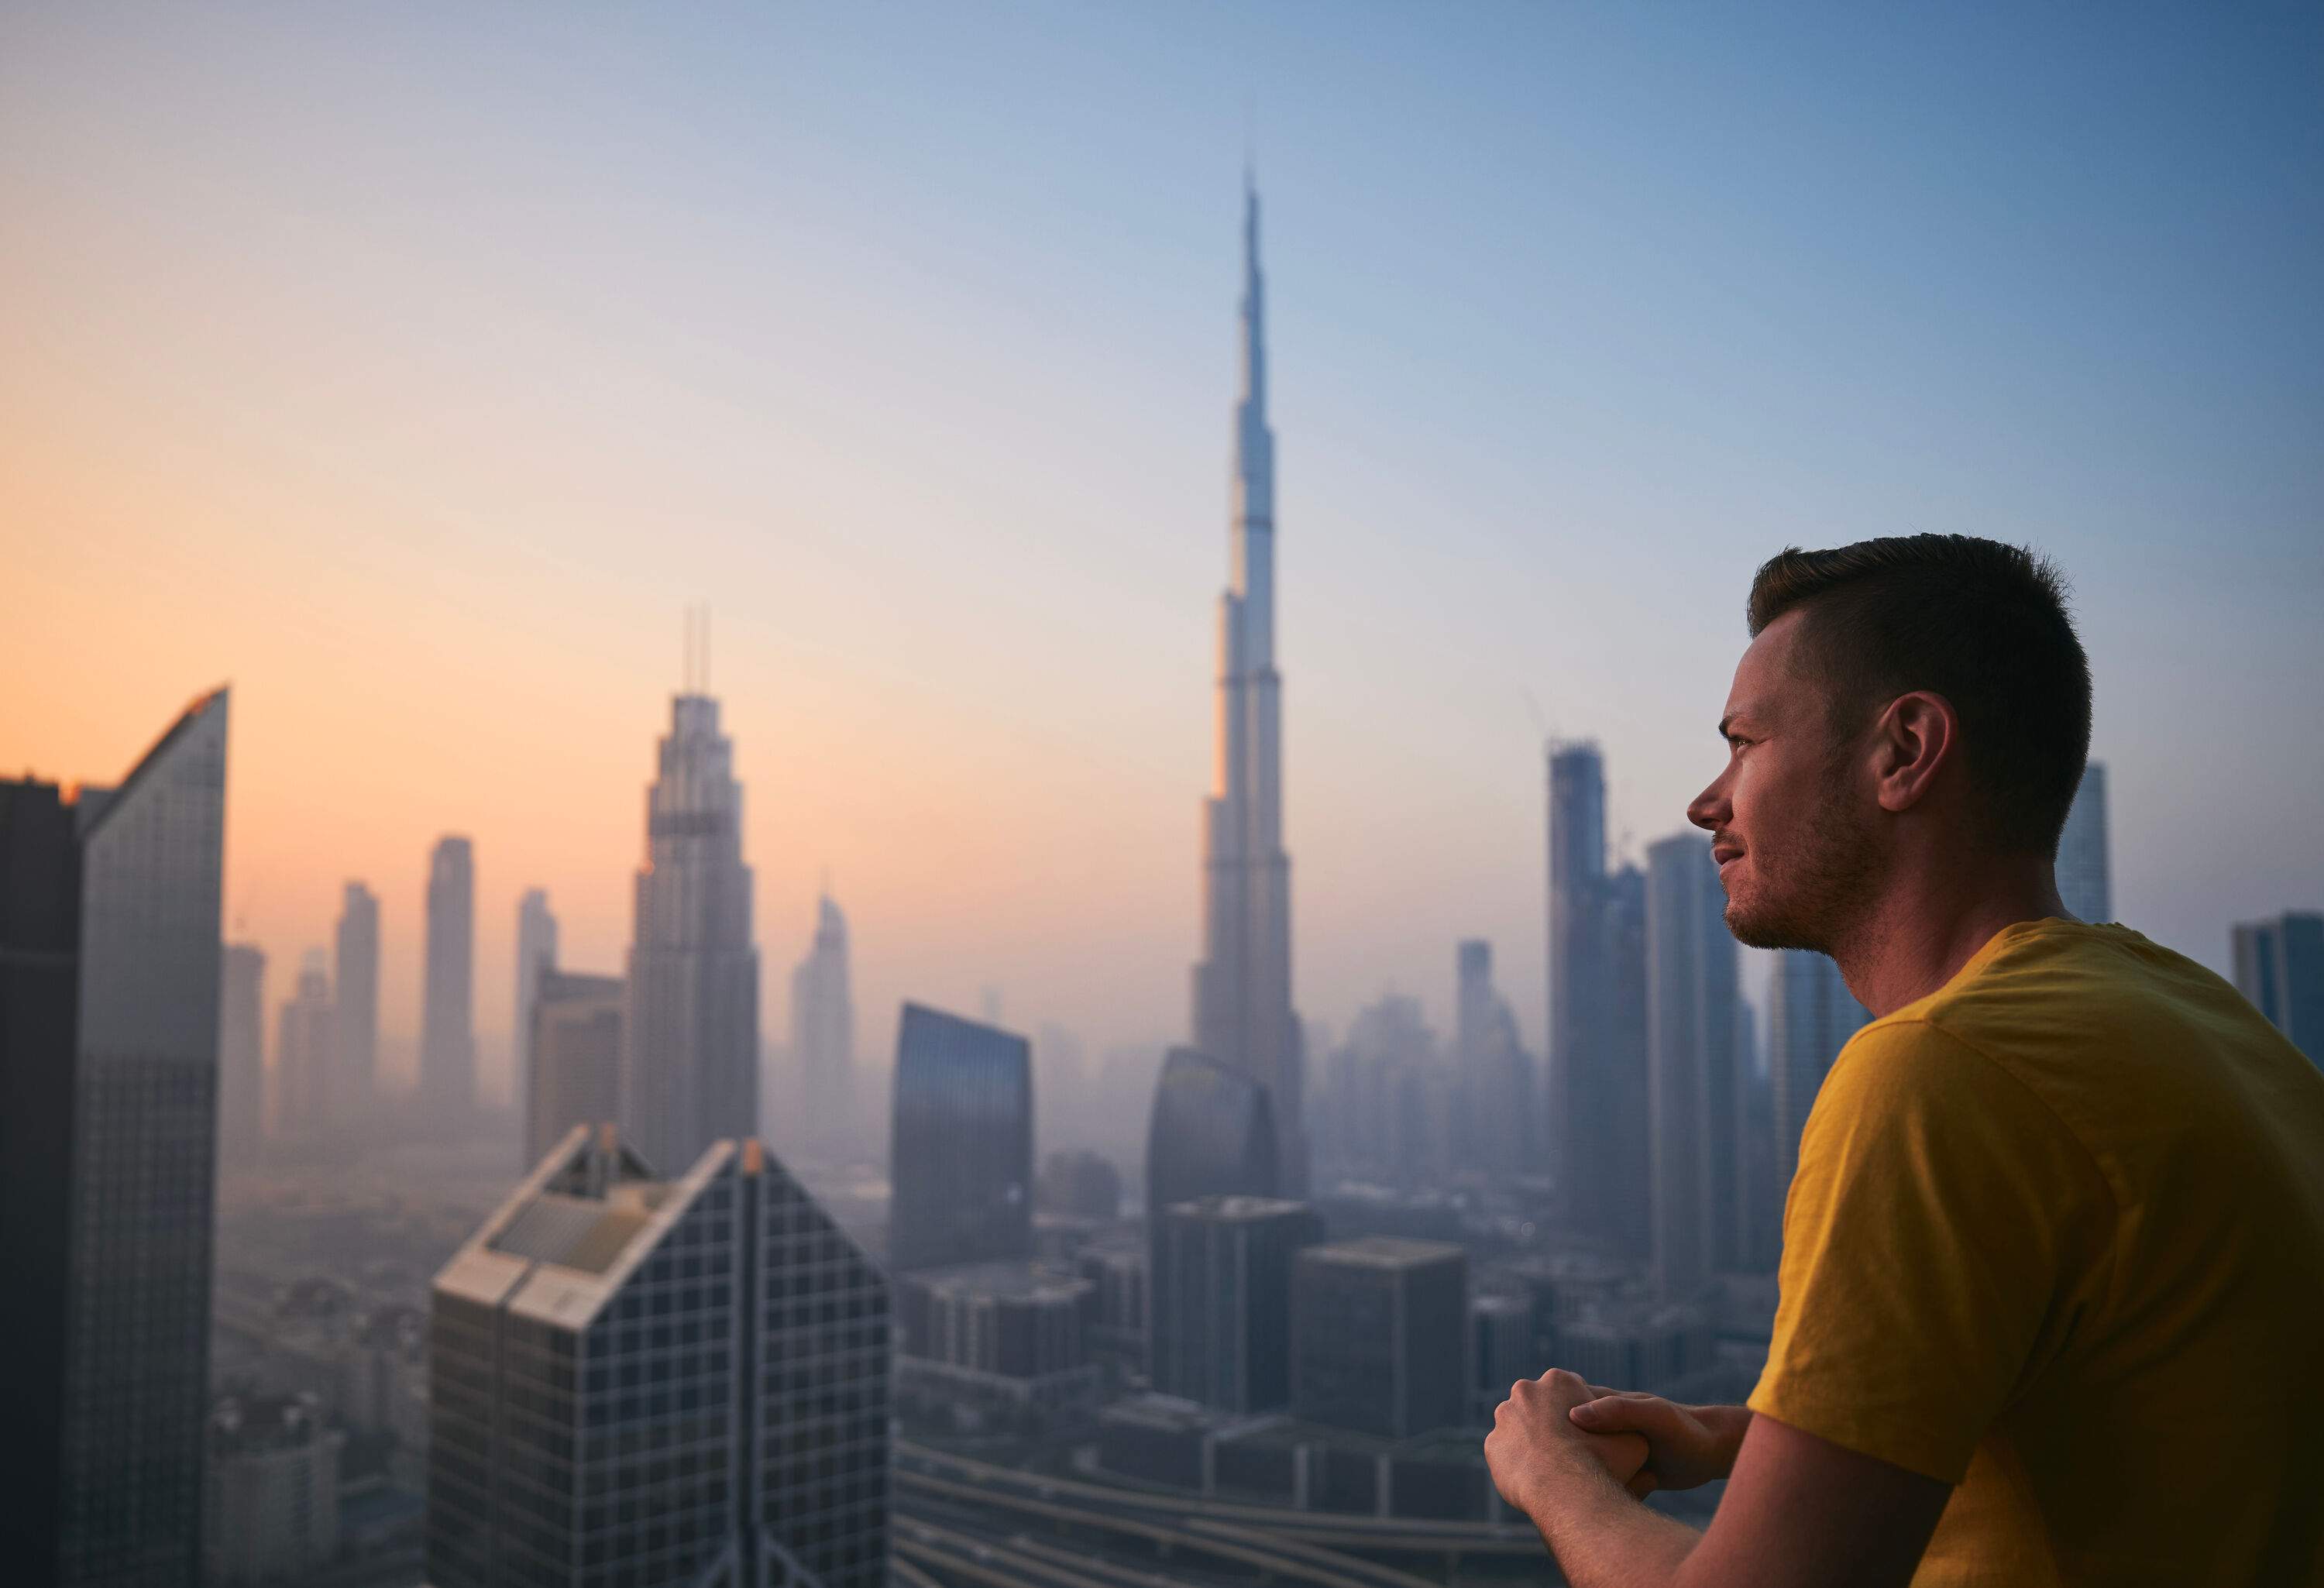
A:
x: 2057, y: 1237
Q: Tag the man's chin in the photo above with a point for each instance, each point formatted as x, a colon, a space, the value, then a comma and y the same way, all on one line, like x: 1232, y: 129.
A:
x: 1766, y: 929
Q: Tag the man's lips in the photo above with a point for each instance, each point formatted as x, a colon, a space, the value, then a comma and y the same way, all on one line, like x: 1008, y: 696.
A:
x: 1720, y: 853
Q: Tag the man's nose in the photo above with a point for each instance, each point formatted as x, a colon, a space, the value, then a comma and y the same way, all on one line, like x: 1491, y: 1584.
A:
x: 1709, y: 811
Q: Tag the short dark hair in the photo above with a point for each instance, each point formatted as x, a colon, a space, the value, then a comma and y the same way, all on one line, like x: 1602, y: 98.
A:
x: 1981, y: 623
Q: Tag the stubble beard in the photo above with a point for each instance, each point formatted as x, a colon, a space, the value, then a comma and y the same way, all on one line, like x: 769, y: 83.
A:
x: 1813, y: 898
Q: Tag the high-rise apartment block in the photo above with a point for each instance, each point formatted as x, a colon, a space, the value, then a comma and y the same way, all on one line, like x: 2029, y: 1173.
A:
x: 1811, y: 1016
x: 691, y: 1074
x: 2085, y: 876
x: 1694, y: 1086
x: 640, y: 1379
x: 2279, y: 966
x: 1244, y: 1014
x: 242, y: 1055
x: 1380, y: 1334
x: 447, y: 1011
x: 1222, y: 1298
x: 961, y: 1148
x: 575, y: 1049
x: 355, y: 992
x: 109, y: 983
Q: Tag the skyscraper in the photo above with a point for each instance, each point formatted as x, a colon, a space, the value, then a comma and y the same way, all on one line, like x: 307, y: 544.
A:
x: 961, y: 1153
x: 1811, y: 1016
x: 1244, y: 1014
x: 1379, y: 1331
x: 691, y: 1077
x: 2279, y: 966
x: 1597, y: 1011
x: 109, y: 983
x: 305, y: 1098
x: 823, y: 1029
x: 355, y: 990
x: 1498, y: 1108
x: 447, y: 1018
x: 242, y: 1055
x: 1212, y: 1133
x: 536, y: 951
x: 1693, y: 1088
x: 1222, y: 1300
x: 574, y: 1051
x: 2085, y: 877
x: 645, y: 1379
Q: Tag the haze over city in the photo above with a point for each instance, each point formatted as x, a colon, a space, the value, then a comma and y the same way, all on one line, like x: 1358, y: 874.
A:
x: 414, y: 369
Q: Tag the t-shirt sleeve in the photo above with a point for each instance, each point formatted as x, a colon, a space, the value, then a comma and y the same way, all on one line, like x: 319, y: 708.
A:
x: 1937, y: 1210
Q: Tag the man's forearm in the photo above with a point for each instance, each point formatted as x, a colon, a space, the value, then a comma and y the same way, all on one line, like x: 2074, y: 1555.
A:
x: 1604, y: 1538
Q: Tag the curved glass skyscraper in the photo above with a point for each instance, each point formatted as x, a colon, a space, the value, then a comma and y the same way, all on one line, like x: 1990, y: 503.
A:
x: 962, y: 1154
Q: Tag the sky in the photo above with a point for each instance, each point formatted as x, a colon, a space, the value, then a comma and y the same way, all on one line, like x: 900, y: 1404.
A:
x: 413, y: 368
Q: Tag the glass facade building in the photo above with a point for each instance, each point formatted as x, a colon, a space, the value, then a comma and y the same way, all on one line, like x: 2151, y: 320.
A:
x: 962, y: 1148
x: 641, y: 1380
x: 109, y: 1005
x: 2085, y: 877
x: 2279, y: 966
x: 1222, y: 1300
x: 242, y: 1055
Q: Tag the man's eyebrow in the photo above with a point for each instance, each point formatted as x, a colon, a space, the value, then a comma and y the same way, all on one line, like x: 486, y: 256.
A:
x: 1731, y: 721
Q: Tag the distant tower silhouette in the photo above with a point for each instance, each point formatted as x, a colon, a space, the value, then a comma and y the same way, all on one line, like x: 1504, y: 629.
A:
x: 1242, y: 1009
x: 447, y: 1015
x: 691, y: 1075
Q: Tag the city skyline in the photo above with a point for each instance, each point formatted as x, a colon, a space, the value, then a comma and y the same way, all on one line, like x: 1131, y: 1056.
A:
x: 1530, y: 452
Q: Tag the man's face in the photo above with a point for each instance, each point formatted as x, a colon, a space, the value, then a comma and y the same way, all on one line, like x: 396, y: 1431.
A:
x: 1792, y: 818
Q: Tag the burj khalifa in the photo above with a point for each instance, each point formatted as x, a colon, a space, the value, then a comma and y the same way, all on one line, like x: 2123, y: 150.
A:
x: 1243, y: 1015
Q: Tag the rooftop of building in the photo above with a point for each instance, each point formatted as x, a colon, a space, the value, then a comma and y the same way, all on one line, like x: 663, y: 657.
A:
x: 566, y: 1239
x: 252, y: 1423
x: 1009, y: 1278
x: 1384, y: 1251
x: 1237, y: 1209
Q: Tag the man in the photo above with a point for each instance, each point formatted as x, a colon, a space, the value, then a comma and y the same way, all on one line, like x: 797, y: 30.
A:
x: 2052, y: 1283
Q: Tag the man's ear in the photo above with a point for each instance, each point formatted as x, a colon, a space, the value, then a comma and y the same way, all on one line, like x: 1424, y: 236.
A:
x: 1916, y: 737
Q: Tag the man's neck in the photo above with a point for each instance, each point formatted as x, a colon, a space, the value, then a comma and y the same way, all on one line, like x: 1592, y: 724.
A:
x: 1931, y: 922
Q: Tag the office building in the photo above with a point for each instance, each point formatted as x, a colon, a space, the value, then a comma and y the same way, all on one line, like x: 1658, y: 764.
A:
x: 1222, y: 1300
x: 988, y: 1338
x: 109, y: 983
x: 823, y: 1030
x: 354, y: 990
x: 305, y: 1053
x: 1211, y: 1133
x: 962, y: 1149
x: 536, y: 951
x: 242, y: 1055
x: 2085, y: 876
x: 1390, y: 1109
x: 1811, y: 1016
x: 1597, y: 1108
x: 2279, y: 966
x: 1080, y: 1186
x: 447, y: 1011
x: 690, y: 1076
x: 575, y: 1046
x: 647, y: 1379
x: 1242, y: 1007
x: 1379, y: 1332
x: 1694, y: 1093
x: 270, y: 1495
